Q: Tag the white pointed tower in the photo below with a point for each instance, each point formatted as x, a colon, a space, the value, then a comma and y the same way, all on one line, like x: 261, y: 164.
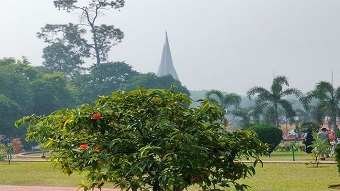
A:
x: 167, y: 67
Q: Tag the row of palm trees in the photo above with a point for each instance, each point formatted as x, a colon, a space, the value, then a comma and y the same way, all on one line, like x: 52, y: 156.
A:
x: 323, y: 101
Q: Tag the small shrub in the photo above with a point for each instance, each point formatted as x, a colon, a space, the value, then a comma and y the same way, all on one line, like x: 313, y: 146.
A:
x: 268, y: 134
x: 337, y: 156
x: 16, y: 145
x: 320, y: 148
x: 6, y: 152
x: 2, y: 152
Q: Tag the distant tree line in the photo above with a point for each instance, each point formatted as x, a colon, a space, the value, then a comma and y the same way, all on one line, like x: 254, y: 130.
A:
x: 270, y: 105
x: 26, y: 89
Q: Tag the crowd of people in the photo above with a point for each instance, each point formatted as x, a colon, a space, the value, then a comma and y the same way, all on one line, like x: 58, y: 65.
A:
x: 324, y: 135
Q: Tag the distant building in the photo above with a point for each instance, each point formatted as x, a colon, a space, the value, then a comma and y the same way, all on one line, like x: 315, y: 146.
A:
x: 166, y: 66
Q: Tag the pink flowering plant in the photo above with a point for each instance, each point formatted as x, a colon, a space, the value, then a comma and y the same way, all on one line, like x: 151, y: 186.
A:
x: 147, y: 140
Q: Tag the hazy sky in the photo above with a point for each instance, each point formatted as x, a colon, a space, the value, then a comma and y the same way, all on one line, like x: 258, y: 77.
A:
x: 229, y: 45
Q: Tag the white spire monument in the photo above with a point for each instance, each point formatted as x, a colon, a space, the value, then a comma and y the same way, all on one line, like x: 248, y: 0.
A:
x: 167, y: 67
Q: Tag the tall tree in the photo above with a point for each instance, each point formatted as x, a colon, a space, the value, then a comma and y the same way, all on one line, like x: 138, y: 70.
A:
x: 311, y: 111
x: 67, y: 48
x: 328, y: 99
x: 60, y: 58
x: 16, y: 98
x: 245, y: 114
x: 275, y: 96
x: 223, y: 100
x: 103, y: 37
x: 15, y: 84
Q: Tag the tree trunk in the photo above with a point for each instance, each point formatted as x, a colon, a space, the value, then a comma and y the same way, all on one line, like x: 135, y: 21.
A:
x: 276, y: 115
x: 96, y: 46
x: 94, y: 33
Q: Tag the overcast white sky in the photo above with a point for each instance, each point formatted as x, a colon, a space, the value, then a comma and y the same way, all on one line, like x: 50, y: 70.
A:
x: 229, y: 45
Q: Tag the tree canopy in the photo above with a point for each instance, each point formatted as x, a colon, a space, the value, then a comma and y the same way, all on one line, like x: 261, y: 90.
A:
x: 328, y: 101
x: 275, y: 97
x: 16, y: 98
x: 145, y: 139
x: 103, y: 79
x: 69, y: 44
x: 223, y: 100
x: 52, y: 92
x: 150, y: 80
x: 26, y: 90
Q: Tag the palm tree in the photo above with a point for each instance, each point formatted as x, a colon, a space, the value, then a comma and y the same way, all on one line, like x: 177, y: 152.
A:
x: 223, y: 100
x: 245, y: 114
x: 311, y: 111
x: 251, y: 115
x: 275, y: 96
x: 306, y: 110
x: 328, y: 99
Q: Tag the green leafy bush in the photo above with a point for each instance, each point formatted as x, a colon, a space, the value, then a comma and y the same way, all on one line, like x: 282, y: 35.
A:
x: 2, y: 152
x: 320, y: 149
x: 337, y: 156
x: 147, y: 140
x: 268, y: 134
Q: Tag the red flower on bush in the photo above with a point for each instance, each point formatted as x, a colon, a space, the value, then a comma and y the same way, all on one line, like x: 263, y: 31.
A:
x: 83, y: 146
x: 96, y: 116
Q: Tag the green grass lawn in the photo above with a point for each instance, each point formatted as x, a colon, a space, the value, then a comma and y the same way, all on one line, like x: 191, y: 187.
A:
x: 293, y: 177
x: 288, y: 156
x: 37, y: 174
x: 270, y: 177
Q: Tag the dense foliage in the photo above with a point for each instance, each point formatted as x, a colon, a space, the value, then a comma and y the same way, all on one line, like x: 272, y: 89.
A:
x: 103, y: 79
x: 28, y: 89
x: 268, y: 134
x: 146, y: 139
x: 150, y: 80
